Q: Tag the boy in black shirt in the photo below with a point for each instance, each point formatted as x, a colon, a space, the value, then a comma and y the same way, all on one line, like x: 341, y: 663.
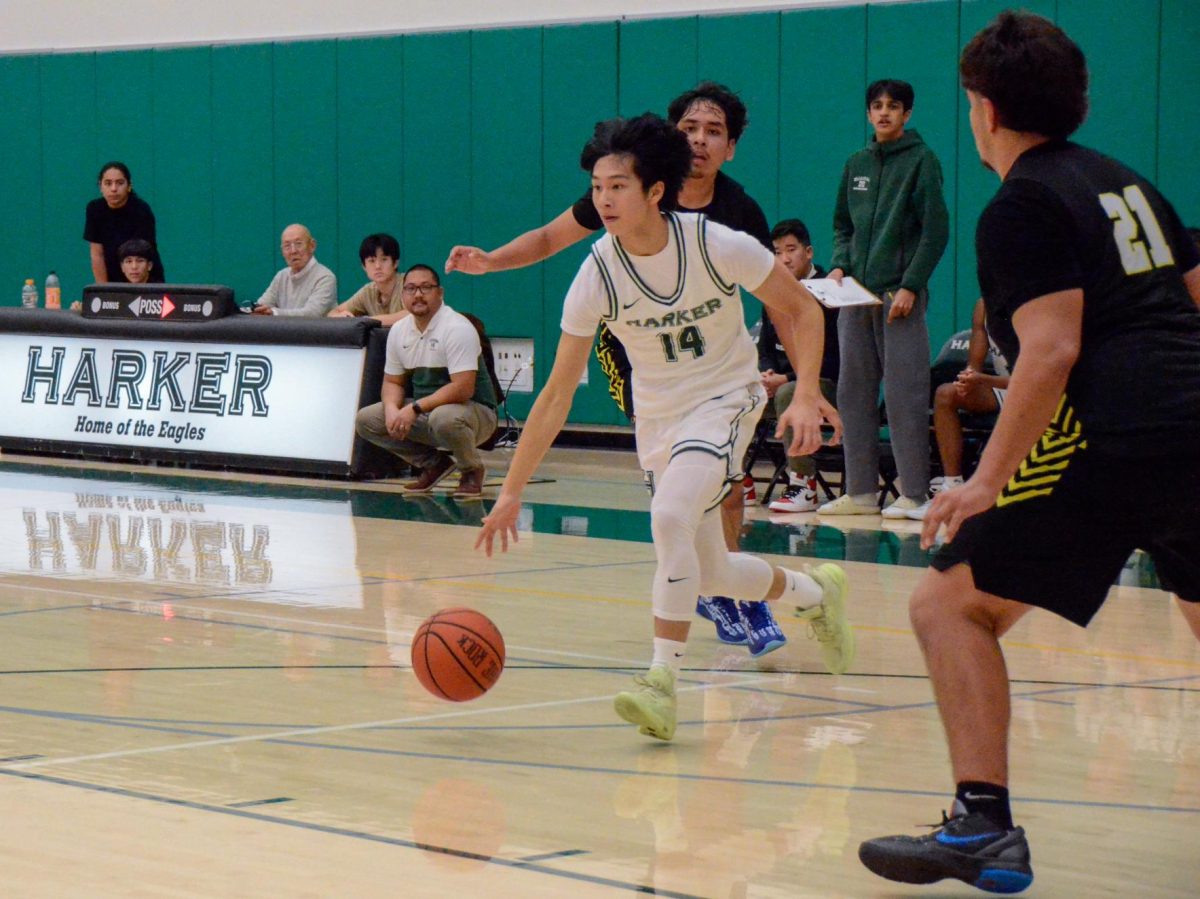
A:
x: 1104, y: 311
x: 793, y: 247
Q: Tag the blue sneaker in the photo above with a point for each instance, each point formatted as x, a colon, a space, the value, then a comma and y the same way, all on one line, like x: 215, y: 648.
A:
x: 968, y: 847
x: 763, y: 634
x: 724, y: 615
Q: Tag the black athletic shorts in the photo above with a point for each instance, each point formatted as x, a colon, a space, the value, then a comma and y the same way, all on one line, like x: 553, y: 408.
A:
x: 1064, y: 526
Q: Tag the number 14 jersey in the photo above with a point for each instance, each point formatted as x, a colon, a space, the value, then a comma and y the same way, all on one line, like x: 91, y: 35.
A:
x: 678, y: 312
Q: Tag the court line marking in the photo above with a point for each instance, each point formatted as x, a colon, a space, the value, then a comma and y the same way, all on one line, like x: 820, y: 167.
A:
x: 183, y: 599
x: 706, y: 778
x: 40, y: 611
x: 278, y: 800
x: 283, y: 738
x: 376, y: 641
x: 368, y: 579
x: 515, y: 864
x: 110, y: 605
x: 327, y: 729
x: 543, y: 856
x: 717, y: 778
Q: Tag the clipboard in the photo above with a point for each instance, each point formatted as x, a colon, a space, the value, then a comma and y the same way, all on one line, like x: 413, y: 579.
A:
x: 835, y: 296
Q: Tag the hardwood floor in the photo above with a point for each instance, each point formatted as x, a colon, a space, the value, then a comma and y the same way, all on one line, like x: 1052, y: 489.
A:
x: 206, y: 692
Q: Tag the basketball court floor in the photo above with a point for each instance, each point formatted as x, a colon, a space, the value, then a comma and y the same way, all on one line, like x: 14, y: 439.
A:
x: 206, y: 692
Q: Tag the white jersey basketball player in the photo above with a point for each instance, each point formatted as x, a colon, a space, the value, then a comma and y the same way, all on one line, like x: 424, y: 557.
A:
x: 666, y: 284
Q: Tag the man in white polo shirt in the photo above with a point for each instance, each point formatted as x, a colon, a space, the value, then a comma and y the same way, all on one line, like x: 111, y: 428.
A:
x: 438, y: 403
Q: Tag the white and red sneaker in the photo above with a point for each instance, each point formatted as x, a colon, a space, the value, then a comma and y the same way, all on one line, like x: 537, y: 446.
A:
x: 800, y: 496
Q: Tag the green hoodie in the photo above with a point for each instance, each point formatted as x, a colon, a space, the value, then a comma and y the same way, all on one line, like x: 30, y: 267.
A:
x: 891, y: 225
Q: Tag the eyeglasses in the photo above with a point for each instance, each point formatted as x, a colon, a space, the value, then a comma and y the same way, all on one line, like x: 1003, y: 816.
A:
x: 294, y: 244
x: 414, y: 289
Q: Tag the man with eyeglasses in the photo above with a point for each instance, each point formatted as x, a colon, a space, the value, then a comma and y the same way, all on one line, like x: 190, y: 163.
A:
x: 438, y: 403
x: 305, y: 288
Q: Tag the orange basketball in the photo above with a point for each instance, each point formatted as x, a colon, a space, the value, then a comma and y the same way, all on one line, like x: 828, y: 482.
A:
x: 457, y: 654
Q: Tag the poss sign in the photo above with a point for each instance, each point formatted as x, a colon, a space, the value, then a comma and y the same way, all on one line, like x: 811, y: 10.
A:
x: 165, y: 302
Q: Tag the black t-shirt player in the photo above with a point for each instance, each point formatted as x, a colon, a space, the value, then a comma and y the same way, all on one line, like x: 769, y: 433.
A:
x: 1067, y: 217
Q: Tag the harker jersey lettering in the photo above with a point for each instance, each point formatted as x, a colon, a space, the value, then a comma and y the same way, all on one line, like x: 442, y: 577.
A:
x: 678, y: 313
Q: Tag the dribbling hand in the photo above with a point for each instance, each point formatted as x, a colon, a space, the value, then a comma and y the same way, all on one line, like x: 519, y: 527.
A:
x: 805, y: 424
x: 501, y: 521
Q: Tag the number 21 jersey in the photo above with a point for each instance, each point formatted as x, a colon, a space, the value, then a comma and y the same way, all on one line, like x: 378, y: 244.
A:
x: 1070, y: 218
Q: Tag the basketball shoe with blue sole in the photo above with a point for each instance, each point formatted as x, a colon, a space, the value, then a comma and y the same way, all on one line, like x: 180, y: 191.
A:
x: 967, y: 847
x: 723, y: 613
x: 763, y: 634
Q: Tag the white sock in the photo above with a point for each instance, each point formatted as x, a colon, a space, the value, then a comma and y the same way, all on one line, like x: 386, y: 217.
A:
x: 864, y: 499
x: 668, y: 654
x: 952, y: 481
x: 800, y: 590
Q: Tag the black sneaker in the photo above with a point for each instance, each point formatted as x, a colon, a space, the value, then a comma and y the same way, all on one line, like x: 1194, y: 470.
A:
x: 968, y: 847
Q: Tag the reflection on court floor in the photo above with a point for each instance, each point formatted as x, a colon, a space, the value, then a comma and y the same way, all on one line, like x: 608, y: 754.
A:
x: 206, y: 692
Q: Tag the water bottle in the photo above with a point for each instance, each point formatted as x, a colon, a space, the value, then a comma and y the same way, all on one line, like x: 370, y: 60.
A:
x: 29, y: 294
x: 53, y: 292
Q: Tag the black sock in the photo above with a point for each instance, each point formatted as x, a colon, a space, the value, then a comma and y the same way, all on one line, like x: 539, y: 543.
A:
x: 989, y: 800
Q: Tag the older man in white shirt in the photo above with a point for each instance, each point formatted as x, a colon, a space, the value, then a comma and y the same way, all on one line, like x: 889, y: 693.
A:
x: 305, y: 288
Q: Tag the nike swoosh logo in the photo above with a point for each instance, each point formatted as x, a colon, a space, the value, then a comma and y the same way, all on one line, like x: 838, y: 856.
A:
x: 675, y: 580
x: 630, y: 305
x: 948, y: 840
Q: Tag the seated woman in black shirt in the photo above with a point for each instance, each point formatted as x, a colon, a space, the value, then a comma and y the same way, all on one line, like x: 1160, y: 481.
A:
x: 114, y: 217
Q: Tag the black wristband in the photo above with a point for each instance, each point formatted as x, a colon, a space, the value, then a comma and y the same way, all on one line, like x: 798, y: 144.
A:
x: 416, y: 407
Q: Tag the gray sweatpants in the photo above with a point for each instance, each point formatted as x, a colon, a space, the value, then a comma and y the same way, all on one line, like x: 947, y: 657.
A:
x: 898, y: 355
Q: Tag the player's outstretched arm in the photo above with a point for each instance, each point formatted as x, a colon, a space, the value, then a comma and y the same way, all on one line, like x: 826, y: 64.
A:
x: 546, y: 419
x: 532, y: 246
x: 800, y: 325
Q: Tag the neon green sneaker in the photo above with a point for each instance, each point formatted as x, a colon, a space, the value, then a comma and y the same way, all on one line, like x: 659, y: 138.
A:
x: 651, y: 705
x: 828, y: 620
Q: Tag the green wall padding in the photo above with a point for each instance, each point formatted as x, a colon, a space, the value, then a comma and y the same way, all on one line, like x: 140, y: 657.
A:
x: 580, y: 89
x: 183, y: 167
x: 245, y: 239
x: 1178, y: 76
x: 22, y: 231
x: 370, y: 151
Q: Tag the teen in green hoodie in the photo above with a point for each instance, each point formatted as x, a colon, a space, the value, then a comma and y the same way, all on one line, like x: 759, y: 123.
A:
x: 890, y: 230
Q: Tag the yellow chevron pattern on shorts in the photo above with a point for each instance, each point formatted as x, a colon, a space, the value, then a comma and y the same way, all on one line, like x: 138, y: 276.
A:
x: 1042, y: 468
x: 608, y: 366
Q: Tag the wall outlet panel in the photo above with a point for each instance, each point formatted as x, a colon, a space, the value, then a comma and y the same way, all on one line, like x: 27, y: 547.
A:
x: 514, y: 363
